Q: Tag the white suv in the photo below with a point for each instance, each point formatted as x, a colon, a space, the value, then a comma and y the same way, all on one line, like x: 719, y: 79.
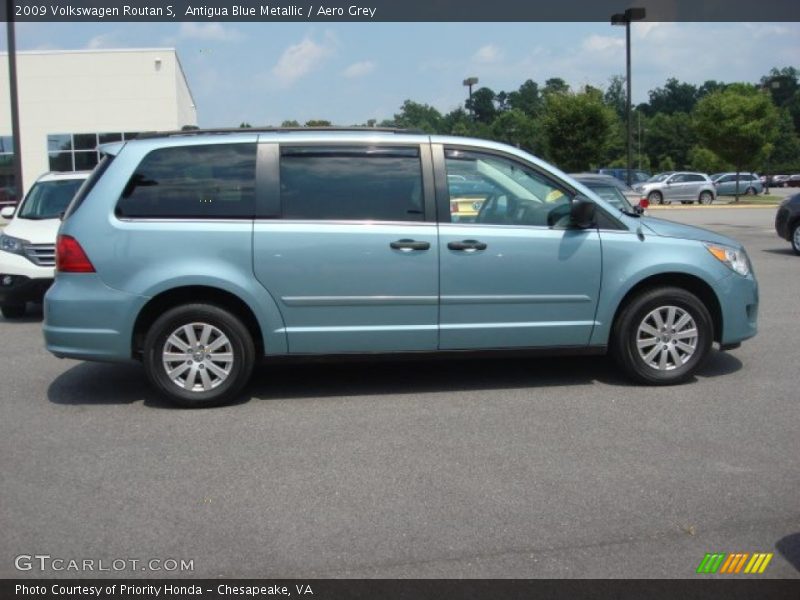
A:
x: 27, y: 243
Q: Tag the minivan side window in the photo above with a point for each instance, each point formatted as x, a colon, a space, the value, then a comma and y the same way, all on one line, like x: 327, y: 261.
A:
x: 374, y: 183
x: 215, y: 181
x: 489, y: 189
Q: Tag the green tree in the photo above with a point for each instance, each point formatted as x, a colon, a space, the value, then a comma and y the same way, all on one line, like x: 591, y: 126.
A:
x: 669, y: 135
x: 737, y: 124
x: 555, y: 85
x: 291, y: 123
x: 482, y: 105
x: 516, y: 128
x: 704, y: 160
x: 414, y: 115
x: 244, y: 125
x: 527, y: 99
x: 615, y: 95
x: 577, y: 128
x: 317, y: 123
x: 456, y: 122
x: 785, y: 155
x: 673, y: 97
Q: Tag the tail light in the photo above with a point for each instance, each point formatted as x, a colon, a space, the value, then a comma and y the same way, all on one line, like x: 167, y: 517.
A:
x: 70, y: 257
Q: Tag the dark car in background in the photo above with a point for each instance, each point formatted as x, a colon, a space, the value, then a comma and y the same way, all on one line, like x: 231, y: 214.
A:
x: 793, y: 181
x: 787, y: 221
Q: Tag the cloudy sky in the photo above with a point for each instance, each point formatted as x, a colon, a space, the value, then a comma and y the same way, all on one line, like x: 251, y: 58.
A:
x: 265, y: 73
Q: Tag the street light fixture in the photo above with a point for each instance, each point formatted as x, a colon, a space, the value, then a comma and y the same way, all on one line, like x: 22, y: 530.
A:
x: 632, y: 14
x: 469, y: 82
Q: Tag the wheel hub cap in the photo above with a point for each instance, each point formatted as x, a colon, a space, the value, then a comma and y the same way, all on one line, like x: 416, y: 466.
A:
x: 197, y: 357
x: 667, y: 338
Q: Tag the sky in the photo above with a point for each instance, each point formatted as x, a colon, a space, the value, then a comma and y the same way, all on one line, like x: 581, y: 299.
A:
x: 265, y: 73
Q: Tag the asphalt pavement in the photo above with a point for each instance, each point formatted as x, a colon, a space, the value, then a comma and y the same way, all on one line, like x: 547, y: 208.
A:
x: 519, y: 468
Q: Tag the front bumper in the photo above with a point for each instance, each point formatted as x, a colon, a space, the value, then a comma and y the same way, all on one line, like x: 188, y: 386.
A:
x: 738, y: 298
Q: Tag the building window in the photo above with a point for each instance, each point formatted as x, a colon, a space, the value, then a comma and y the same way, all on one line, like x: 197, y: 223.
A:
x: 78, y: 151
x: 7, y: 187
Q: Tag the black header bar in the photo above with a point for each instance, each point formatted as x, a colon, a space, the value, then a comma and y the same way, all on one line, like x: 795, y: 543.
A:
x: 398, y: 10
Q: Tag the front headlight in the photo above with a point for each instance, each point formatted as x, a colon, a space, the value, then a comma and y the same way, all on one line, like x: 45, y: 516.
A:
x: 736, y: 259
x: 12, y: 244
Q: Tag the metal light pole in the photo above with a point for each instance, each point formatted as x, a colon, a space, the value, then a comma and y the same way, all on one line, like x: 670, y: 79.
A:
x: 469, y: 82
x: 632, y: 14
x: 12, y: 81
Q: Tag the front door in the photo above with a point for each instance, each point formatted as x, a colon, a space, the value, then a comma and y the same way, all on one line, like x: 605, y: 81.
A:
x: 514, y: 273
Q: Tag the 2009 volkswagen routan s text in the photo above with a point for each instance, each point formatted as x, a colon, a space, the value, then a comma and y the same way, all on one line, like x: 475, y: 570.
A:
x: 197, y: 253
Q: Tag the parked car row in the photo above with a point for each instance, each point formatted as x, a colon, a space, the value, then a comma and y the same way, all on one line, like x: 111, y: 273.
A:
x: 781, y: 180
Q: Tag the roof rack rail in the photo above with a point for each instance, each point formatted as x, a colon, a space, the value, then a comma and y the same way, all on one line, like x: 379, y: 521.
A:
x: 228, y: 130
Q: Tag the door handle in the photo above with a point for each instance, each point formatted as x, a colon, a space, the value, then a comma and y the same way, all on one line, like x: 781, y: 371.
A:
x: 409, y: 245
x: 467, y: 245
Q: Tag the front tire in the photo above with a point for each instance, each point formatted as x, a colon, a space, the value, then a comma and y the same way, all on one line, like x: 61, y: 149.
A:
x: 13, y: 311
x: 656, y: 198
x: 795, y: 238
x: 662, y: 336
x: 198, y: 355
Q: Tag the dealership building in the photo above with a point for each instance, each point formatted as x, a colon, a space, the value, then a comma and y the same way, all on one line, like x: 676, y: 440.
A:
x: 72, y: 100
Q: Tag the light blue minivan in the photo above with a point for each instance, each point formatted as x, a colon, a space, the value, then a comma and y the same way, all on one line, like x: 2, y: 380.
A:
x: 199, y: 253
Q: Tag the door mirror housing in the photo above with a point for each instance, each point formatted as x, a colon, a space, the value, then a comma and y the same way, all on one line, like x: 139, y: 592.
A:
x: 7, y: 212
x: 582, y: 212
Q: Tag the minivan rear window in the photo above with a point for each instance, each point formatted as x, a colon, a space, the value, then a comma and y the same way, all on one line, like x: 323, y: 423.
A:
x: 201, y: 182
x: 351, y: 183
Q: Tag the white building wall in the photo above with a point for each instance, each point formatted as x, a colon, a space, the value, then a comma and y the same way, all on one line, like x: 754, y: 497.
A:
x: 93, y: 91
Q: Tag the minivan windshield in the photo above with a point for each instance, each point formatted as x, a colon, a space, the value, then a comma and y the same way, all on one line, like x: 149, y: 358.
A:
x: 48, y: 199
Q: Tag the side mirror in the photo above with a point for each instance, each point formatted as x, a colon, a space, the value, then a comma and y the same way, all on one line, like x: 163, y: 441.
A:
x: 7, y: 212
x: 581, y: 213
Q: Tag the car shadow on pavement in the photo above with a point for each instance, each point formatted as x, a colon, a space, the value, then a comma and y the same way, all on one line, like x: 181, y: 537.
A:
x: 104, y: 383
x: 98, y: 383
x: 782, y: 251
x: 789, y: 548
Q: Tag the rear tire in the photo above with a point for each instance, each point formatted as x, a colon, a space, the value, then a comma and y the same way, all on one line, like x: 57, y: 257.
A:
x: 795, y: 238
x: 662, y: 336
x: 751, y: 191
x: 198, y: 355
x: 705, y: 198
x: 13, y: 311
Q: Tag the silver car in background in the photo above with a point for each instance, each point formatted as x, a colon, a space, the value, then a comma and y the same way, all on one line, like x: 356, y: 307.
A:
x: 679, y: 186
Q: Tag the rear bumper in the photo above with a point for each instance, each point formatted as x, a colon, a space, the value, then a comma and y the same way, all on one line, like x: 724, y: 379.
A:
x: 87, y: 320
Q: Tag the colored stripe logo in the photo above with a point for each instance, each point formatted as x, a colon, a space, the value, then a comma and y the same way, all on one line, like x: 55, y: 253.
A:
x: 734, y: 563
